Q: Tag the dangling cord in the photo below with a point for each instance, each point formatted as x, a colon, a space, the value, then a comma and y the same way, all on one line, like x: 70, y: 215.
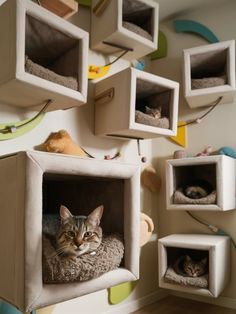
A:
x: 212, y: 227
x: 143, y: 159
x: 119, y: 57
x: 199, y: 119
x: 14, y: 128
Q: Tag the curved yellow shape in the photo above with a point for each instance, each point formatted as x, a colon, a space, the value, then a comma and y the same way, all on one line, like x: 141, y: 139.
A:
x: 96, y: 71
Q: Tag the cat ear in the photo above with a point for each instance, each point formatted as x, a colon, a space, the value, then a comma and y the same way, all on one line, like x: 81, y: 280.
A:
x: 96, y: 215
x: 64, y: 213
x: 147, y: 109
x: 188, y: 258
x: 204, y: 261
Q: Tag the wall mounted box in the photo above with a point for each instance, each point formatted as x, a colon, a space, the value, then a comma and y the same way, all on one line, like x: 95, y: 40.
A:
x: 62, y: 8
x: 214, y: 60
x: 109, y: 27
x: 32, y: 177
x: 52, y: 44
x: 218, y: 252
x: 218, y: 170
x: 117, y: 99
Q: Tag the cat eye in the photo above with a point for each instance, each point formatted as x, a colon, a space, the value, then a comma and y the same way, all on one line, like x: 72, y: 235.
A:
x: 71, y: 233
x: 88, y: 234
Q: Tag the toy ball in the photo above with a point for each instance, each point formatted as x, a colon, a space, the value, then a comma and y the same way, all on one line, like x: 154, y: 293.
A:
x: 180, y: 154
x: 228, y: 151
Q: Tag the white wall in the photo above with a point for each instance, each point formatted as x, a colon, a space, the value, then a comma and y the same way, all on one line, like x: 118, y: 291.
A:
x: 217, y: 129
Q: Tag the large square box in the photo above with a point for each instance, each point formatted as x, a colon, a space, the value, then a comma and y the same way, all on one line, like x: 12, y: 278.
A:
x: 42, y: 57
x: 119, y: 97
x: 209, y: 73
x: 36, y: 183
x: 218, y: 170
x: 217, y: 250
x: 125, y: 23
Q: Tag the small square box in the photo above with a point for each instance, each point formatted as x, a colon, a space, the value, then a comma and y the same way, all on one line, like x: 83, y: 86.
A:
x: 62, y: 8
x: 126, y: 23
x: 218, y: 170
x: 120, y: 102
x: 209, y: 73
x: 43, y: 57
x: 40, y: 182
x: 215, y: 248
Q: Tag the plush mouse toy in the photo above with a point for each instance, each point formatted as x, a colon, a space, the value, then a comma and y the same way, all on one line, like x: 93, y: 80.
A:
x: 61, y: 142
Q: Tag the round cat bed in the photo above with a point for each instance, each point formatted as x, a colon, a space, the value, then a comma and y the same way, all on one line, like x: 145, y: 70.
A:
x: 207, y: 82
x: 137, y: 30
x: 180, y: 198
x: 172, y: 277
x: 143, y: 118
x: 59, y: 269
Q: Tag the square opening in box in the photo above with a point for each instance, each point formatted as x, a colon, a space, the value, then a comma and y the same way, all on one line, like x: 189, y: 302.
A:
x: 137, y: 17
x: 187, y: 267
x: 195, y: 184
x: 209, y: 69
x: 51, y: 54
x: 152, y: 105
x: 80, y: 247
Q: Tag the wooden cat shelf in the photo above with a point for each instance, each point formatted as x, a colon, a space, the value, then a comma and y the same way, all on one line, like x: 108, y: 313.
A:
x: 62, y: 8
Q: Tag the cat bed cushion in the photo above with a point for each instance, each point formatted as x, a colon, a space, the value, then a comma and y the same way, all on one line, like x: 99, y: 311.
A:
x: 208, y: 82
x: 58, y: 269
x: 172, y: 277
x: 180, y: 198
x: 46, y: 74
x: 137, y: 29
x: 141, y: 117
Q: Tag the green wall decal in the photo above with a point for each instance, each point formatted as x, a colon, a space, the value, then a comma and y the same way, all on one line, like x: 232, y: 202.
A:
x: 22, y: 130
x: 190, y: 26
x: 86, y: 3
x: 120, y: 292
x: 162, y: 47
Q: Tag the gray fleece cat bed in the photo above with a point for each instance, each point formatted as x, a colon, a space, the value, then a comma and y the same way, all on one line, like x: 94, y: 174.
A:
x: 180, y: 198
x: 172, y: 277
x: 58, y: 269
x: 141, y: 117
x: 49, y: 75
x: 137, y: 30
x: 207, y: 82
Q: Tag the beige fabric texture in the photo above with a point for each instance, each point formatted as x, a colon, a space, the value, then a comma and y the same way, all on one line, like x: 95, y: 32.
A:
x: 180, y: 198
x: 207, y: 82
x: 46, y: 74
x: 59, y: 269
x: 172, y: 277
x: 141, y: 117
x: 136, y: 29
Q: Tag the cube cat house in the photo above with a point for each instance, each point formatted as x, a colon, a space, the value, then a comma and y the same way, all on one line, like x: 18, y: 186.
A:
x: 209, y: 73
x: 43, y: 57
x: 125, y: 23
x: 121, y: 98
x: 215, y: 248
x: 40, y: 182
x: 218, y: 170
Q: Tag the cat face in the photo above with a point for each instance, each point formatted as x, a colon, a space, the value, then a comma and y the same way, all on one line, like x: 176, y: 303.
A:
x: 154, y: 112
x: 193, y: 268
x: 195, y: 192
x: 79, y: 234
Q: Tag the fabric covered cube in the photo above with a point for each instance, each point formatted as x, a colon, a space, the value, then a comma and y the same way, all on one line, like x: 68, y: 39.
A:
x: 37, y: 183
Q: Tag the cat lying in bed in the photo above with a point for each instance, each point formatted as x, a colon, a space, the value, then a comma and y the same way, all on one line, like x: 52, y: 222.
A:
x: 74, y: 235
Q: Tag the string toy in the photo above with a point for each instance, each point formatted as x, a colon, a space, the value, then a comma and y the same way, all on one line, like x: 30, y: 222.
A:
x: 199, y: 119
x: 213, y: 228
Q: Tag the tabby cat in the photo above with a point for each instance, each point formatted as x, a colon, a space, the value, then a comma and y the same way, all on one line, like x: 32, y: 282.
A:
x: 188, y: 267
x: 77, y: 235
x: 197, y: 189
x: 153, y: 112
